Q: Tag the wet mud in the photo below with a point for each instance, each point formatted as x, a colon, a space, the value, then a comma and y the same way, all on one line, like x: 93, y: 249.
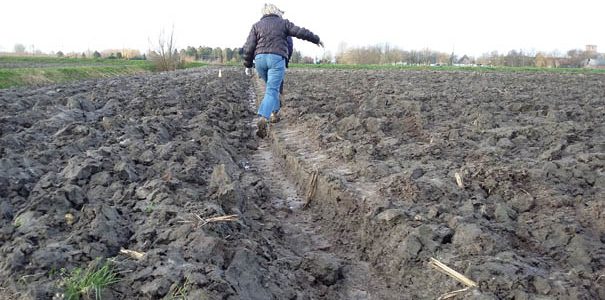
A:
x: 367, y: 176
x: 498, y: 175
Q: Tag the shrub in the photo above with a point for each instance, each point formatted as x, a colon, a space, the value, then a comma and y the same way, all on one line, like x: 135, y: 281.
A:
x: 165, y: 57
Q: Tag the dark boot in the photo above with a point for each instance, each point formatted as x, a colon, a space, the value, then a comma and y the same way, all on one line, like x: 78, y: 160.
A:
x: 261, y: 125
x: 274, y: 117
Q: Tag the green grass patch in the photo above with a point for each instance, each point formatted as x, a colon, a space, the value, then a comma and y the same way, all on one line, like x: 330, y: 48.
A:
x: 41, y: 61
x: 85, y: 283
x: 9, y: 78
x: 194, y: 64
x: 18, y: 71
x: 41, y: 76
x: 36, y: 71
x: 54, y: 62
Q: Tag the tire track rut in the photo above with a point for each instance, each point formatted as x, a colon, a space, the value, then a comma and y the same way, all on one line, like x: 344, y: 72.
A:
x: 302, y: 233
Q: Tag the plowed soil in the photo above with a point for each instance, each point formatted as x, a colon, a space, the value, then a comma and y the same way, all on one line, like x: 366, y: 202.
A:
x: 368, y: 175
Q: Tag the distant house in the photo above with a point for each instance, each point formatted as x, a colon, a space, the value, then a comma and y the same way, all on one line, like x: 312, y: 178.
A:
x: 594, y: 63
x: 465, y: 61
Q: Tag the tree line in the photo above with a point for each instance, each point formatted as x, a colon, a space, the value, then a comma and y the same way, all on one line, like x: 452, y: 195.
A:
x: 376, y: 54
x: 230, y: 55
x: 124, y: 53
x: 386, y: 54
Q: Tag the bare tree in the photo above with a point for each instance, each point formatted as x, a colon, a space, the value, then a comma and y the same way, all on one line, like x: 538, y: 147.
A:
x: 165, y: 56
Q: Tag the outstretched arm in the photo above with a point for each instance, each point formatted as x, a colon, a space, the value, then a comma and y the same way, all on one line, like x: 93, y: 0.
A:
x: 302, y: 33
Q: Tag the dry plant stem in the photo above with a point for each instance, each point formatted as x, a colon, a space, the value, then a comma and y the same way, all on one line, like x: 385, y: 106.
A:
x: 132, y: 254
x: 450, y: 272
x: 201, y: 222
x: 311, y: 187
x: 229, y: 218
x: 526, y: 192
x: 452, y: 294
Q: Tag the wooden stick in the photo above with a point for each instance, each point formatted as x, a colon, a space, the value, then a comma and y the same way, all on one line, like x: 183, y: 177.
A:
x: 450, y: 272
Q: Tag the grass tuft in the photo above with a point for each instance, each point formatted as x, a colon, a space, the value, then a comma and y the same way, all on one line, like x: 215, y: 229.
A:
x: 179, y: 292
x: 82, y: 283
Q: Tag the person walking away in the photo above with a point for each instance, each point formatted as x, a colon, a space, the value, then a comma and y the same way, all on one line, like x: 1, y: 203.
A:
x: 266, y: 48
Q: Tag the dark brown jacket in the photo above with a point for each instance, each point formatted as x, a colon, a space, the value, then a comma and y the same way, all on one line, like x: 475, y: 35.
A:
x: 269, y: 35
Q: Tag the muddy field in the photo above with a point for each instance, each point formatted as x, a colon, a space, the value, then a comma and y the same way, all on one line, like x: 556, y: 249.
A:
x: 528, y: 218
x: 144, y: 163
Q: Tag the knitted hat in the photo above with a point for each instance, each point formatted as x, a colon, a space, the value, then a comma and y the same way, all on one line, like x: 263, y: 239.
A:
x: 271, y: 9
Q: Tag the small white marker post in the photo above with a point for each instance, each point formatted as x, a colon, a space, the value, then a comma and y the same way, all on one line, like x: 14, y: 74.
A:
x: 219, y: 74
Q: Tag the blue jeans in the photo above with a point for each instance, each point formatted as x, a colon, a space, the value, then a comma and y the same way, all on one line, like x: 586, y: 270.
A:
x: 271, y: 68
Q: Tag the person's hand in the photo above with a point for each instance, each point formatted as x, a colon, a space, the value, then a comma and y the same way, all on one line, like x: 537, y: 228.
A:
x: 320, y: 44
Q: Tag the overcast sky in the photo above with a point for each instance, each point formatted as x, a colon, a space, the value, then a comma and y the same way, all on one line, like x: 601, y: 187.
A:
x: 465, y: 27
